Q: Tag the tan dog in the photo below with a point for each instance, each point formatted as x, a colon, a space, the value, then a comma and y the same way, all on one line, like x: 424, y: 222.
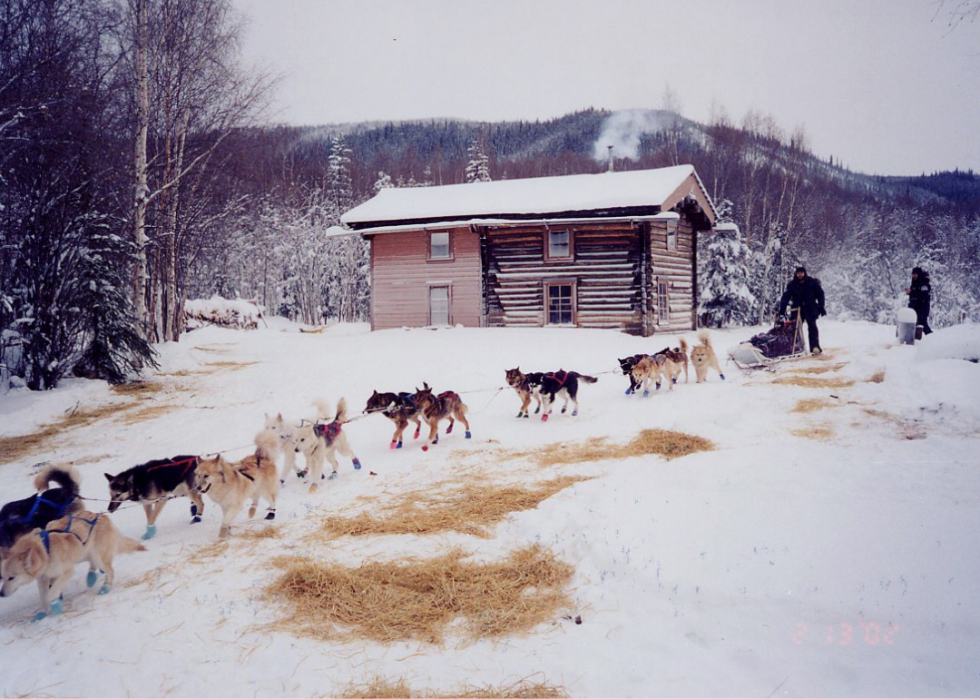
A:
x: 320, y: 441
x: 703, y: 356
x: 652, y: 368
x: 284, y: 432
x: 231, y: 484
x: 49, y: 556
x: 435, y: 409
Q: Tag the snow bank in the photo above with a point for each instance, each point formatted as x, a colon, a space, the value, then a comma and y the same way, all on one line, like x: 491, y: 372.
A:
x: 229, y: 313
x: 957, y: 342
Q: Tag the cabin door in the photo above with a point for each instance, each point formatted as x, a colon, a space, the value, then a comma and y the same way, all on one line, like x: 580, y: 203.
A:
x: 561, y: 303
x: 438, y: 305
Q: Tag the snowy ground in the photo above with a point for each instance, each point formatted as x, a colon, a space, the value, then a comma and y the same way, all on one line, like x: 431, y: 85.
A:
x: 826, y: 553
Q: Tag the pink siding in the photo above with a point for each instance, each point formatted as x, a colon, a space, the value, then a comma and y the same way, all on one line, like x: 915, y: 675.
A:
x: 401, y: 275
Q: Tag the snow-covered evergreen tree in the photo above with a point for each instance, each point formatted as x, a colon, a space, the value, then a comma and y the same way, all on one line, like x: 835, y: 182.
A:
x: 724, y: 296
x: 383, y: 181
x: 478, y: 165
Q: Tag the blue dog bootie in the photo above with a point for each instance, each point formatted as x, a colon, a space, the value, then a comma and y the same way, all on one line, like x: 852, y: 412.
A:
x: 357, y: 464
x: 468, y: 435
x: 151, y: 531
x: 104, y: 590
x: 722, y: 377
x: 629, y: 391
x: 91, y: 578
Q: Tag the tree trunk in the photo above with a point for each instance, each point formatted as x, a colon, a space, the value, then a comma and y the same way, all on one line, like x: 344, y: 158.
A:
x: 142, y: 188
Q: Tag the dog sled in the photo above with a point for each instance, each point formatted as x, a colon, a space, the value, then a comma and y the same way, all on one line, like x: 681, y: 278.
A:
x: 783, y: 342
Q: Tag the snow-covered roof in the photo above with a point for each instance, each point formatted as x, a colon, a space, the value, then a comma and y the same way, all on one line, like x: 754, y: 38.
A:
x: 527, y: 197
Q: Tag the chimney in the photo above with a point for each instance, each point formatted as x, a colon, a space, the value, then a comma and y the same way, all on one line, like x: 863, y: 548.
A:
x: 610, y: 159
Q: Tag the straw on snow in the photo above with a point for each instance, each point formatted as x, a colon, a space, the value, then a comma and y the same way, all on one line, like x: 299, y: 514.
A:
x: 416, y: 600
x: 471, y: 510
x: 380, y: 688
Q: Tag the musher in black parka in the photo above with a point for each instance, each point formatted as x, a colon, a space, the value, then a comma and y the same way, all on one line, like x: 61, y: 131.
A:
x: 920, y: 295
x: 805, y: 293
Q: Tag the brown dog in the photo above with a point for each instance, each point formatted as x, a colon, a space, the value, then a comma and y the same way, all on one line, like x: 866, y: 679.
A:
x: 434, y: 409
x: 678, y: 356
x: 50, y: 556
x: 230, y: 485
x: 527, y: 386
x: 703, y: 356
x: 651, y: 369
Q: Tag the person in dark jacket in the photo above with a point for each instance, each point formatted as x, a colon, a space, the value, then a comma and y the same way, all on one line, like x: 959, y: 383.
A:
x: 806, y: 294
x: 920, y: 294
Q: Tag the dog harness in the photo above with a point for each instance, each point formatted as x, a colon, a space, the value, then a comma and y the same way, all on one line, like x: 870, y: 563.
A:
x: 328, y: 432
x: 189, y: 463
x: 41, y: 500
x: 561, y: 381
x: 46, y: 534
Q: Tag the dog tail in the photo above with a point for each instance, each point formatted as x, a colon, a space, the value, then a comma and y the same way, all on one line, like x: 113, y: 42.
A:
x: 126, y: 545
x: 705, y: 338
x: 324, y: 411
x: 341, y: 415
x: 65, y: 477
x: 267, y: 445
x: 683, y: 343
x: 585, y: 378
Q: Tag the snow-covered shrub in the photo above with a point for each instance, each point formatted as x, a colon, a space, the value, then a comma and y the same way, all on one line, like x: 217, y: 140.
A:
x: 228, y: 313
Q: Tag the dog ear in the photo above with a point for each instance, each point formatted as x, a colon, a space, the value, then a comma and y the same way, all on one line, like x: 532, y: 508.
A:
x: 108, y: 477
x: 279, y: 417
x: 32, y: 560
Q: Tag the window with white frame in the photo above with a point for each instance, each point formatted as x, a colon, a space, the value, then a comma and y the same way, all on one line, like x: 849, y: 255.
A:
x: 663, y: 304
x: 671, y: 235
x: 559, y: 244
x: 438, y: 305
x: 439, y: 246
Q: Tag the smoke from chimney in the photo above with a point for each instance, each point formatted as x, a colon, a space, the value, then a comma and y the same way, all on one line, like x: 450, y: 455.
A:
x: 623, y: 131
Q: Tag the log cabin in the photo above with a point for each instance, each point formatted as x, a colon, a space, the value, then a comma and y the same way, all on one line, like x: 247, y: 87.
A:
x: 610, y: 250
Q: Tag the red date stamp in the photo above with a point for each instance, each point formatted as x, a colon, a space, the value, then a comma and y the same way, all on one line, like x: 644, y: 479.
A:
x: 844, y: 633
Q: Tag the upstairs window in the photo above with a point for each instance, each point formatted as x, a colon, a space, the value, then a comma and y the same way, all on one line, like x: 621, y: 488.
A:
x: 439, y: 246
x: 671, y: 236
x: 559, y: 245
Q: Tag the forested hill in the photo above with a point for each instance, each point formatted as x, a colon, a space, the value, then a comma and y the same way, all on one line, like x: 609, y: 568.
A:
x: 436, y: 151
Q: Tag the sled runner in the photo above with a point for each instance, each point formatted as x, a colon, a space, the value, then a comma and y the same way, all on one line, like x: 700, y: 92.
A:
x: 784, y: 341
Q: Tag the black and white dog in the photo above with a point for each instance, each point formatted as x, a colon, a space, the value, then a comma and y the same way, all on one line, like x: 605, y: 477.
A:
x: 155, y: 482
x: 22, y: 516
x: 627, y: 364
x: 564, y: 383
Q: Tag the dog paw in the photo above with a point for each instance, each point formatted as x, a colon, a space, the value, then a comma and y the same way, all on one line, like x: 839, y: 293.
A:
x: 629, y: 391
x: 417, y: 434
x: 449, y: 429
x: 393, y: 445
x: 357, y: 464
x: 722, y: 377
x: 544, y: 418
x: 527, y: 415
x: 195, y: 519
x: 91, y: 578
x: 468, y: 435
x: 425, y: 447
x: 646, y: 394
x: 563, y: 410
x: 104, y: 590
x: 151, y: 531
x: 333, y: 476
x: 37, y: 617
x: 399, y: 446
x: 574, y: 413
x: 520, y: 414
x: 271, y: 515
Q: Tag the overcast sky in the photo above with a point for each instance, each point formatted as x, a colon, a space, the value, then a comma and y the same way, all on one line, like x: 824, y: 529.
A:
x: 878, y: 84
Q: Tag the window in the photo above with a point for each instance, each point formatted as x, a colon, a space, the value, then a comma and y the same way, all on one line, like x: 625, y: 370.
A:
x: 671, y: 235
x: 663, y: 307
x: 439, y: 246
x: 559, y: 245
x: 561, y: 304
x: 438, y: 305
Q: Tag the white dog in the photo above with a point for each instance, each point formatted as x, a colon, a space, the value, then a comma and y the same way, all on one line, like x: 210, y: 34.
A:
x: 320, y: 441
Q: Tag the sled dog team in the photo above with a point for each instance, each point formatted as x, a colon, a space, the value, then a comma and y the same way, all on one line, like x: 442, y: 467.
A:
x: 44, y: 536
